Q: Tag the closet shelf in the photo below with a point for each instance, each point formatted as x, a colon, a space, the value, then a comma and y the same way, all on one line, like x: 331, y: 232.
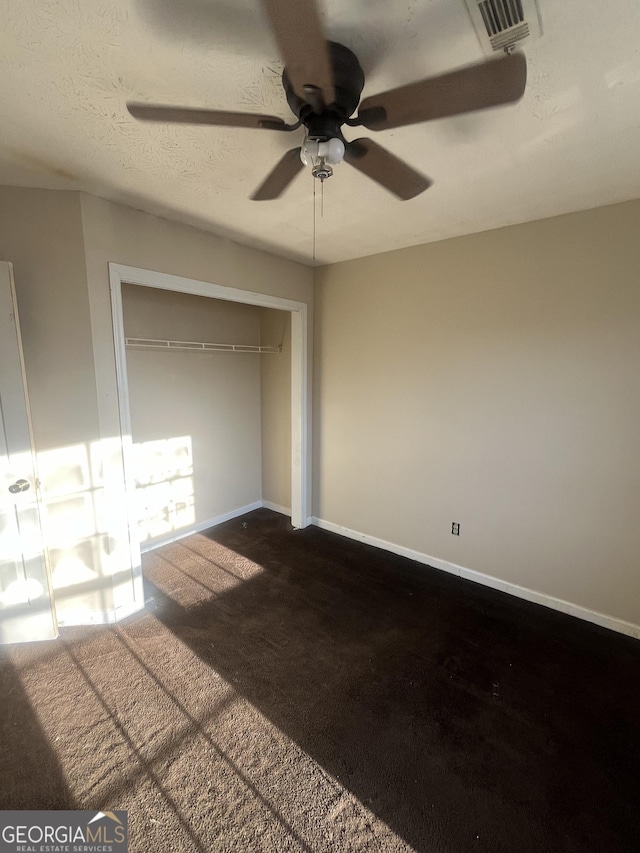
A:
x: 151, y: 343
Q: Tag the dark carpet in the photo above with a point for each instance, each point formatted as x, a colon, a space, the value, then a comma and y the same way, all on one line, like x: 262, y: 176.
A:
x: 296, y: 691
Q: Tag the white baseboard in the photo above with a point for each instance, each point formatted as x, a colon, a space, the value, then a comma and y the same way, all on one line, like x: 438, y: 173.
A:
x: 96, y: 617
x: 284, y: 510
x: 197, y: 528
x: 601, y: 619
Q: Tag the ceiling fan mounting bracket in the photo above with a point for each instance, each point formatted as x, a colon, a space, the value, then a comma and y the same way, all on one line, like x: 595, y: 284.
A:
x: 325, y: 121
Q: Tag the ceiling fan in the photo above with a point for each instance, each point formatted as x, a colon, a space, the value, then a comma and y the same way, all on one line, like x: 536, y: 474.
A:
x: 323, y: 81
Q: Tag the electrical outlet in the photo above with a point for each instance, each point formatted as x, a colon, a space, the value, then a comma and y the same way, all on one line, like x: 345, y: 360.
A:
x: 455, y: 528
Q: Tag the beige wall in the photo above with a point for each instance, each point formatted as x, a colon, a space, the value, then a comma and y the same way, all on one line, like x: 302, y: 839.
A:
x: 492, y: 380
x: 41, y: 234
x: 275, y: 330
x: 195, y: 416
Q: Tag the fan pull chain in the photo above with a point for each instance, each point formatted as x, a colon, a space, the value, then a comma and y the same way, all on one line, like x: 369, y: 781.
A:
x: 314, y: 220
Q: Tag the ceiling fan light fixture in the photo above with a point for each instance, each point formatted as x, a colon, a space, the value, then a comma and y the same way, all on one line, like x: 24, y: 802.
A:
x: 330, y: 151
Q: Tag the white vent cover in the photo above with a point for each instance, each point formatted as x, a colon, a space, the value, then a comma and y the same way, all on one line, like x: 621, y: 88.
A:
x: 502, y: 24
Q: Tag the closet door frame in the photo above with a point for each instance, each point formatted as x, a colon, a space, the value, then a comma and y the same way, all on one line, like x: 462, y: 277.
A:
x: 120, y: 274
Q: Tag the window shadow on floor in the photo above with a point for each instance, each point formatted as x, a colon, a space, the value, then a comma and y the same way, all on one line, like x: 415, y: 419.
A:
x: 30, y: 773
x: 455, y: 713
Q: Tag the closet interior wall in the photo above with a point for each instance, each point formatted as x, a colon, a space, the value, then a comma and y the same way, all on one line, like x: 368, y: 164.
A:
x: 196, y: 416
x: 275, y: 372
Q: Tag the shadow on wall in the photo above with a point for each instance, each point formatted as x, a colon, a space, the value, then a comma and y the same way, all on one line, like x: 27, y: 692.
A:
x: 85, y: 525
x: 78, y: 518
x: 83, y: 528
x: 163, y: 474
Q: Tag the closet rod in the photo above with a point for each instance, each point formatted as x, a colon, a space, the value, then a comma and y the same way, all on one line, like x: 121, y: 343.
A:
x: 153, y: 343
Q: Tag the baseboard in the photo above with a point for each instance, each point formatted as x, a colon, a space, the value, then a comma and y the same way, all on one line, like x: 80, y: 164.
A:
x: 284, y: 510
x: 197, y: 528
x: 95, y: 617
x: 593, y: 616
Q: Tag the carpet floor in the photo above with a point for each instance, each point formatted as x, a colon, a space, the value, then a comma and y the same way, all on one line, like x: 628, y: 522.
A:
x: 296, y: 691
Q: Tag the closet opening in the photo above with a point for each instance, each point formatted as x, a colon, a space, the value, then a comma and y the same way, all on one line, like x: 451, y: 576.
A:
x: 213, y: 401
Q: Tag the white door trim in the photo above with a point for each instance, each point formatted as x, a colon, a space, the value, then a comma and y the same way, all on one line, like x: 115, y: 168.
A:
x: 300, y: 391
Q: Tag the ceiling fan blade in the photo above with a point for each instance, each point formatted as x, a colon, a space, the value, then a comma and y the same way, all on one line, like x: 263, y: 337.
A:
x: 385, y: 168
x: 498, y: 81
x: 279, y: 177
x: 186, y: 115
x: 298, y: 32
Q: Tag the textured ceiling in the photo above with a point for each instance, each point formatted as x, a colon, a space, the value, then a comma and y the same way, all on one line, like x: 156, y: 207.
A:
x: 68, y: 67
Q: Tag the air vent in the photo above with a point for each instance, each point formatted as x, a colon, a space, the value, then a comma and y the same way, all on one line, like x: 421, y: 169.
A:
x: 503, y: 24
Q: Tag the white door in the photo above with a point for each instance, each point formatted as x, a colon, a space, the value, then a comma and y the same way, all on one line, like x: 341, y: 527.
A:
x: 26, y: 609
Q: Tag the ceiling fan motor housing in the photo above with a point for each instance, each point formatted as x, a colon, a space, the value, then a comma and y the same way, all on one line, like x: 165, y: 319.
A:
x: 348, y: 80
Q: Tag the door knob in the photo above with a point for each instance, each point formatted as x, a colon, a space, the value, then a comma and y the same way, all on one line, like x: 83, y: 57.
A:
x: 19, y: 486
